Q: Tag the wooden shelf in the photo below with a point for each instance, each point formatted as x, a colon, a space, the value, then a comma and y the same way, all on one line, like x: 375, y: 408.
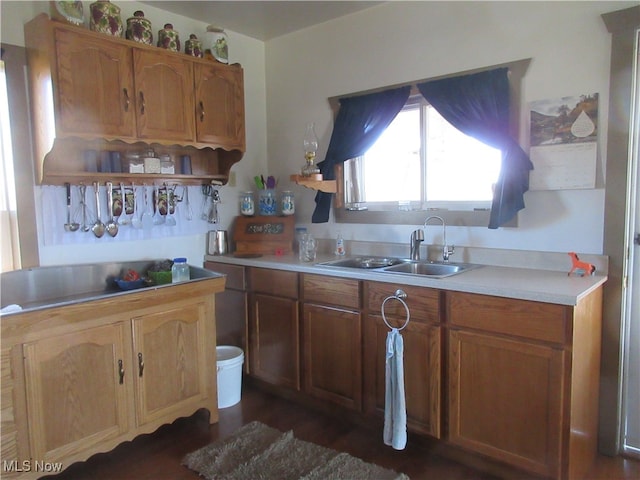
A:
x: 315, y: 183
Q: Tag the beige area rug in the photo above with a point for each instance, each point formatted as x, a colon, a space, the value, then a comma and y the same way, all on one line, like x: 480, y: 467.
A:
x: 257, y: 451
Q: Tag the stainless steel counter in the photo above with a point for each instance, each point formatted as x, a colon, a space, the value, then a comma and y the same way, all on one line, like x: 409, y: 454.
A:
x: 44, y: 287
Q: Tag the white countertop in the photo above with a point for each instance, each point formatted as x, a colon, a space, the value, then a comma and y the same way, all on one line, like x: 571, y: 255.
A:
x: 519, y: 283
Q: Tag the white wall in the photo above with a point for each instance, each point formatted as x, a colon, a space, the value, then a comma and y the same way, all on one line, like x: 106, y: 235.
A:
x: 59, y: 247
x: 404, y: 41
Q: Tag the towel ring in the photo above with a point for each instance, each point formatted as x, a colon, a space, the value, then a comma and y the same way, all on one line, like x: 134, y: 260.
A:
x: 400, y: 295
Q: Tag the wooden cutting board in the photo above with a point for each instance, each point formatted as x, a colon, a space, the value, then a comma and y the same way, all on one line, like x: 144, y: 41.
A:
x: 269, y: 235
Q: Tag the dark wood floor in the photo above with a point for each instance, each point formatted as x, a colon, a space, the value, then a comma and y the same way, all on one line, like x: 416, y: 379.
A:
x: 158, y: 456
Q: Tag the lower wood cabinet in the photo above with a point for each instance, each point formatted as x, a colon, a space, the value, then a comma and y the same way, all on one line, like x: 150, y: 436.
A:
x: 80, y: 379
x: 274, y: 331
x: 422, y: 354
x: 333, y: 355
x: 523, y: 381
x: 77, y: 396
x: 170, y: 368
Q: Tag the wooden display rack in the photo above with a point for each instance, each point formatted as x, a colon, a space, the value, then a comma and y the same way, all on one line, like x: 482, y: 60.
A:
x: 316, y: 183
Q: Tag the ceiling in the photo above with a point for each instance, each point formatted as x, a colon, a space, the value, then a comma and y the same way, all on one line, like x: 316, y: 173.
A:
x: 263, y: 20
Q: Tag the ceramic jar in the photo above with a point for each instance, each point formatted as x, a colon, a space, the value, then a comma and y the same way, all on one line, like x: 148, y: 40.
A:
x: 105, y: 18
x: 216, y: 41
x: 168, y: 38
x: 193, y: 46
x: 267, y: 203
x: 139, y: 28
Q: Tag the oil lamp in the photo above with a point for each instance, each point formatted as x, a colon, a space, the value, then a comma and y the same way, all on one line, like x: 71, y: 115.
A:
x: 310, y: 143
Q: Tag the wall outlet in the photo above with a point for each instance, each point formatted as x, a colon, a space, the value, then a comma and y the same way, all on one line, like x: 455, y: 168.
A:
x: 232, y: 179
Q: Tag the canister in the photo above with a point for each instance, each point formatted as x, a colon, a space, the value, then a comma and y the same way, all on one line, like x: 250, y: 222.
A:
x: 287, y: 203
x: 168, y: 38
x: 217, y: 243
x: 247, y: 205
x: 139, y: 28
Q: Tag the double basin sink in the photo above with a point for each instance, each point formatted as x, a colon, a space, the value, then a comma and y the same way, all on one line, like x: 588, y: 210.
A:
x: 404, y: 266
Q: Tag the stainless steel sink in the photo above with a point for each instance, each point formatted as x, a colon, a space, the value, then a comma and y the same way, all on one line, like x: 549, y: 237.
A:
x: 430, y: 269
x: 362, y: 262
x: 404, y: 266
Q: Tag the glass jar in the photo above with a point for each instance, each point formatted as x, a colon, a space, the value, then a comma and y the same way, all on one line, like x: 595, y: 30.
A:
x: 308, y: 248
x: 267, y: 202
x: 247, y: 205
x: 166, y: 164
x: 180, y: 270
x: 287, y: 203
x: 216, y: 41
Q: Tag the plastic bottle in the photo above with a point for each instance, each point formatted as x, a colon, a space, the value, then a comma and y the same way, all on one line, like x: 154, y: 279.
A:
x: 180, y: 270
x: 340, y: 245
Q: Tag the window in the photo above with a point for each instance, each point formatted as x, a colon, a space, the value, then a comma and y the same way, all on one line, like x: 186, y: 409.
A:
x: 435, y: 166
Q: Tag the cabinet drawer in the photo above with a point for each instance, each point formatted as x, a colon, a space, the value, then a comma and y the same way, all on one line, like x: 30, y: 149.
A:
x: 522, y: 318
x: 423, y: 303
x: 274, y: 282
x: 235, y: 274
x: 343, y: 292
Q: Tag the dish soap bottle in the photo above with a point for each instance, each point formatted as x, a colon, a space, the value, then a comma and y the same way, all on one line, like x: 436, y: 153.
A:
x: 340, y: 245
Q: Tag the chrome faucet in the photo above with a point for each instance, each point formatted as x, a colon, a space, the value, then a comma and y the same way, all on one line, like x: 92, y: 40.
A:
x: 447, y: 250
x: 417, y: 237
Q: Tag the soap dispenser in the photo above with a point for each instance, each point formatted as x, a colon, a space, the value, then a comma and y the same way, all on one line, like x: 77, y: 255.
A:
x: 340, y: 245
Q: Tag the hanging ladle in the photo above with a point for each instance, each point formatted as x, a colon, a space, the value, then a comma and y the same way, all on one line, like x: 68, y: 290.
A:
x: 112, y: 226
x: 70, y: 226
x: 98, y: 227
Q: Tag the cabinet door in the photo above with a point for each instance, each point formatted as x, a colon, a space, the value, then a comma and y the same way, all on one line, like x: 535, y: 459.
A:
x: 274, y: 340
x: 422, y: 372
x: 164, y: 96
x: 220, y: 105
x: 94, y: 87
x: 332, y: 355
x: 505, y: 400
x: 77, y: 396
x: 171, y: 369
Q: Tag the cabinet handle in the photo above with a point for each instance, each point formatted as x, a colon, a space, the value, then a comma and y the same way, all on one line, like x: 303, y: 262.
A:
x: 140, y: 364
x: 121, y: 371
x: 126, y: 99
x: 201, y: 111
x: 142, y: 104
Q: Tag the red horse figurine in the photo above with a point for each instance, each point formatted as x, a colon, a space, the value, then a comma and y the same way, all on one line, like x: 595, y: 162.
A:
x: 579, y: 267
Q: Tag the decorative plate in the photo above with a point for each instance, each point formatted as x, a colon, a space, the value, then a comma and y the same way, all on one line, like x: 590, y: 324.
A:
x: 71, y: 12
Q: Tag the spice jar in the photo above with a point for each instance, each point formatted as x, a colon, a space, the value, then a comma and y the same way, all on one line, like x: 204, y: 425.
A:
x: 247, y: 205
x: 139, y: 28
x: 193, y: 46
x: 217, y: 43
x: 168, y: 38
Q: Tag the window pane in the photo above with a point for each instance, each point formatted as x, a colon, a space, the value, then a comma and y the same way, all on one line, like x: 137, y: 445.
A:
x: 459, y: 167
x: 392, y: 165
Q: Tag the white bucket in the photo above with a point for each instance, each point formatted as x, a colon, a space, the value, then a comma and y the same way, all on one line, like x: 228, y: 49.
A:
x: 229, y: 367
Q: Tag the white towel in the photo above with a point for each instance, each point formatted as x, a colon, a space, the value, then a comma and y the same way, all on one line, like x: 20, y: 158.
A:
x: 395, y: 412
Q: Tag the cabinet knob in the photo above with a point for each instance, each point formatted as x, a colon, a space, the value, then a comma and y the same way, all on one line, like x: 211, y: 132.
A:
x: 126, y: 99
x: 121, y: 371
x: 140, y: 364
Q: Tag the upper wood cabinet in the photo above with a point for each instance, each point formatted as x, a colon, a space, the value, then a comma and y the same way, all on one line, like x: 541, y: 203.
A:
x: 95, y: 85
x: 164, y: 95
x: 220, y: 105
x: 90, y: 91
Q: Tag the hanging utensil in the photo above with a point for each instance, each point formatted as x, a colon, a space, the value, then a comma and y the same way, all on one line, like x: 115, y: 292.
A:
x: 212, y: 216
x: 124, y: 219
x: 136, y: 219
x: 170, y: 220
x: 98, y: 227
x: 83, y: 207
x: 112, y: 226
x: 189, y: 213
x: 157, y: 216
x: 70, y: 226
